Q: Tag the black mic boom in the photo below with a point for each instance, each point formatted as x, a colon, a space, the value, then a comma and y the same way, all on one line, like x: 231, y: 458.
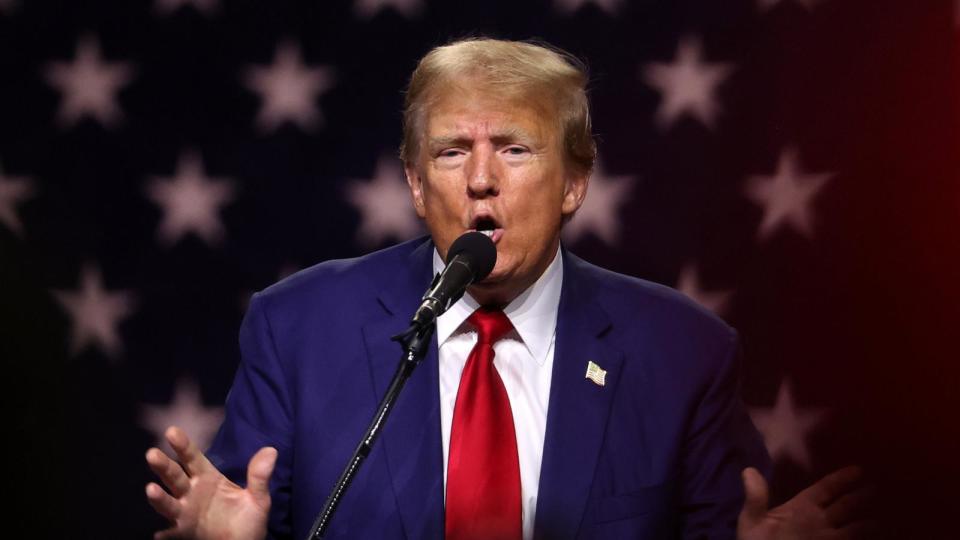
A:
x: 471, y: 258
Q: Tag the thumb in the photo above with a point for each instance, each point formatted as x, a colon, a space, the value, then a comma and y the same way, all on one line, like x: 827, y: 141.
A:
x: 258, y: 473
x: 756, y: 497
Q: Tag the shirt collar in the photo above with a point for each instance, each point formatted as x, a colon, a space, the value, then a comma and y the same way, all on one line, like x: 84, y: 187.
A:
x: 533, y: 313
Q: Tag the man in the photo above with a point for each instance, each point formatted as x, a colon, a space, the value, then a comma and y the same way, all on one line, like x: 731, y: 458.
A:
x: 604, y: 406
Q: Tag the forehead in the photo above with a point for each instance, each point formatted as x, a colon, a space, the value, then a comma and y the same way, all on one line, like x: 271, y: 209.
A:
x: 461, y: 110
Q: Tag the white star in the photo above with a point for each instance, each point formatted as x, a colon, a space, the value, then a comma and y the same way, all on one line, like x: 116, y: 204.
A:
x: 688, y: 85
x: 689, y: 284
x: 89, y: 86
x: 786, y: 196
x: 384, y: 205
x: 368, y: 8
x: 785, y: 427
x: 767, y: 5
x: 206, y: 7
x: 570, y: 6
x: 190, y: 202
x: 288, y: 90
x: 13, y: 191
x: 95, y: 313
x: 598, y: 214
x: 186, y: 411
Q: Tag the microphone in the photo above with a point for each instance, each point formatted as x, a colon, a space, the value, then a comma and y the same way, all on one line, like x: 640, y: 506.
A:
x: 470, y: 259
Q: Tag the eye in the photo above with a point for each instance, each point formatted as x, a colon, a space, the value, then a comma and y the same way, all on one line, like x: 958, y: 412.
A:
x: 449, y: 153
x: 516, y: 150
x: 449, y: 158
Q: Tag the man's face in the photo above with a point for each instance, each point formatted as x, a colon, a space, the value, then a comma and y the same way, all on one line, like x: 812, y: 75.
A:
x: 492, y: 165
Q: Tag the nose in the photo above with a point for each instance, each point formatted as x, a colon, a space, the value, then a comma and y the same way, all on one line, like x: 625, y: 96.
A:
x: 483, y: 179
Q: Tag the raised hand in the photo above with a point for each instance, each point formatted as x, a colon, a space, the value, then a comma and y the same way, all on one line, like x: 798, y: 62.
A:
x: 827, y: 510
x: 204, y: 504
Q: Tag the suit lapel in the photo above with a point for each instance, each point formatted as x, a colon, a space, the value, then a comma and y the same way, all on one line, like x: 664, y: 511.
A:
x: 411, y: 437
x: 578, y: 409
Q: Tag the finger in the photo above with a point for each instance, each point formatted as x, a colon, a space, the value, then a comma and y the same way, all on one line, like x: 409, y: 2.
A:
x: 849, y: 508
x: 169, y: 471
x: 258, y: 474
x: 756, y: 497
x: 832, y: 486
x: 192, y: 459
x: 162, y: 502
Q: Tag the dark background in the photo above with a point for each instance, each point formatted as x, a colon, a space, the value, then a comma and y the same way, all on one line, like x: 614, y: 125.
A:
x: 859, y: 317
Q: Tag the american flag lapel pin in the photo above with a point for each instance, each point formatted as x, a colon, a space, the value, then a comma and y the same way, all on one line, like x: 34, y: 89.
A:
x: 595, y: 374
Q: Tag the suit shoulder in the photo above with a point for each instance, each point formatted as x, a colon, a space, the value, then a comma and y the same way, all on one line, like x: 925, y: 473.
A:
x: 662, y: 332
x: 339, y: 278
x: 653, y: 305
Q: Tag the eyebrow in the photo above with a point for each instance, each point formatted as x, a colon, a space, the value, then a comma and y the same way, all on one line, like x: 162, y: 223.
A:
x: 506, y: 135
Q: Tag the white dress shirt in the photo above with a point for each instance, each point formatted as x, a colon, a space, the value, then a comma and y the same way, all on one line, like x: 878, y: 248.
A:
x: 524, y: 360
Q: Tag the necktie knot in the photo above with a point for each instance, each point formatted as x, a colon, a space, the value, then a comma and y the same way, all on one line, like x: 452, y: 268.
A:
x: 491, y: 325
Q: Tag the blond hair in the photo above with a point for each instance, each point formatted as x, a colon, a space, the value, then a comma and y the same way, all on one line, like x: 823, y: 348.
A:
x: 537, y: 74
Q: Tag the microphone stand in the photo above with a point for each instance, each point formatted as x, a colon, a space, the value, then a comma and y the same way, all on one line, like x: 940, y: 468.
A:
x: 415, y: 342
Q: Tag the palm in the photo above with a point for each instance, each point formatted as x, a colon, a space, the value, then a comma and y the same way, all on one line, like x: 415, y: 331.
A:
x: 202, y: 503
x: 796, y: 519
x: 824, y: 511
x: 225, y: 507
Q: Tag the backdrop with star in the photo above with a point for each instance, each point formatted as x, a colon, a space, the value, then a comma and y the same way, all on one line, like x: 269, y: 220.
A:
x: 792, y: 165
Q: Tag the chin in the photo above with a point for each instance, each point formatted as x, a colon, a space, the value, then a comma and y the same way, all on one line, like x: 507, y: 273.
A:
x: 492, y: 280
x: 501, y: 271
x: 498, y: 283
x: 495, y: 280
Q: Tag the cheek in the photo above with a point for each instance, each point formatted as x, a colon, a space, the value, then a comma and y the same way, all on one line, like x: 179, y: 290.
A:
x: 440, y: 200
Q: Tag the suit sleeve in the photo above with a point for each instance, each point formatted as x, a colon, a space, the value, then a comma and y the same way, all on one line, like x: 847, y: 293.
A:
x: 721, y: 442
x: 259, y: 413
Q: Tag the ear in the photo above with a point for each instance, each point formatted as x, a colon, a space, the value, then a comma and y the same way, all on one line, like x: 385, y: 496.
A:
x: 415, y: 182
x: 574, y: 192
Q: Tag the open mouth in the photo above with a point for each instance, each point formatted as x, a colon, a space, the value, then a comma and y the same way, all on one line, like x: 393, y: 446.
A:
x: 488, y: 226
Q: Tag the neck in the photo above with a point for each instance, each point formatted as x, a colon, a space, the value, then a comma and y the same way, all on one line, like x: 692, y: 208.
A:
x: 496, y: 296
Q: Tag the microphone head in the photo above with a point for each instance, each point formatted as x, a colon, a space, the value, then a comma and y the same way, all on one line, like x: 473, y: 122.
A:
x: 478, y: 249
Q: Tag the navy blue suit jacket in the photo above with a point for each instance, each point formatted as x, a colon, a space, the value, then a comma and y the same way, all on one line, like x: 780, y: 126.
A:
x: 655, y: 453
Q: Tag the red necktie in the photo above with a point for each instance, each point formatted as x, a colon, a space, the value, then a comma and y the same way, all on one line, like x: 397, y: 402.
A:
x: 483, y: 473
